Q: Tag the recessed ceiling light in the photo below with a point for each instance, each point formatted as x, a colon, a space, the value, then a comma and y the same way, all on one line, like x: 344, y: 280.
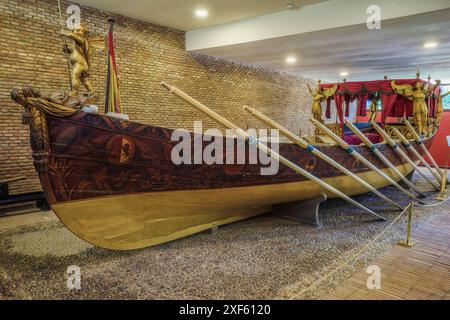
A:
x: 291, y: 60
x: 344, y: 74
x: 201, y: 13
x: 431, y: 44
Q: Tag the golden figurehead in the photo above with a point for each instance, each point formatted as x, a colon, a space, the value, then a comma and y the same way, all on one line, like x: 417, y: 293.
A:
x: 320, y: 95
x: 418, y: 95
x: 80, y: 52
x: 373, y: 109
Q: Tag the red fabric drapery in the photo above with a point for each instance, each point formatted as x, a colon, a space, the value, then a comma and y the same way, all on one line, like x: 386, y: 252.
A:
x: 434, y: 101
x: 393, y: 105
x: 328, y: 110
x: 347, y: 105
x: 388, y: 102
x: 339, y: 103
x: 402, y: 107
x: 348, y: 100
x: 362, y: 104
x: 356, y: 88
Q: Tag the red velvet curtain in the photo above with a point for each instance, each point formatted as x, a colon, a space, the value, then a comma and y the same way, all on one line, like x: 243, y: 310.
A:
x: 347, y: 105
x: 436, y: 104
x: 430, y: 104
x: 387, y: 102
x: 393, y: 105
x: 328, y: 110
x: 434, y: 101
x: 399, y: 108
x: 339, y: 103
x: 348, y: 100
x: 409, y: 108
x: 362, y: 104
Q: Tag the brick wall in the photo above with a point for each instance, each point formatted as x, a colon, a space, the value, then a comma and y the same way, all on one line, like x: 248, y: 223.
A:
x: 31, y: 53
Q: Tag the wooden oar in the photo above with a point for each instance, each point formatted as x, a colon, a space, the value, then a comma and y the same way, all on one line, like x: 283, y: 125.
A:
x: 408, y: 146
x: 381, y: 156
x: 346, y: 147
x: 305, y: 145
x: 210, y: 113
x: 420, y: 142
x: 402, y: 154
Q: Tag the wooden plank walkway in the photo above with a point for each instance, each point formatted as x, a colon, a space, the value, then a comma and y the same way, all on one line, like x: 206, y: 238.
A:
x: 421, y: 272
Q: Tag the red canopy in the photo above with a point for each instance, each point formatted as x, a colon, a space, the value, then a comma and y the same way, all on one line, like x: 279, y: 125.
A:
x: 393, y: 105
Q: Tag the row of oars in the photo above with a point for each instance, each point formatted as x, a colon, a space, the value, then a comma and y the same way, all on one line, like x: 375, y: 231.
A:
x: 307, y: 146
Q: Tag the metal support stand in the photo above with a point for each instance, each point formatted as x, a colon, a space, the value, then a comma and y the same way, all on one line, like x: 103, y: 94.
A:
x: 409, y: 243
x: 214, y: 229
x: 4, y: 191
x: 43, y: 205
x: 409, y: 177
x: 303, y: 211
x: 442, y: 195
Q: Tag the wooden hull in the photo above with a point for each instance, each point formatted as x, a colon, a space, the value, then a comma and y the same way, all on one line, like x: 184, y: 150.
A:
x: 140, y: 198
x: 142, y: 220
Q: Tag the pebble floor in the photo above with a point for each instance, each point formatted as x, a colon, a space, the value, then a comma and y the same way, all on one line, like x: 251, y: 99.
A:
x: 261, y: 258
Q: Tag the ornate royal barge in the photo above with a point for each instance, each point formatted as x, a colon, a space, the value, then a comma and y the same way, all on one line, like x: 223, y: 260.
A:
x: 113, y: 183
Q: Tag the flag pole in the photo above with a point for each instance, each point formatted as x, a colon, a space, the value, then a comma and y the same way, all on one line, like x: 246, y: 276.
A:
x: 111, y: 21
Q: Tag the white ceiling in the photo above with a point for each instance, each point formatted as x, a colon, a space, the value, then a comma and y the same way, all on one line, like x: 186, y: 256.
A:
x: 396, y: 50
x: 179, y: 14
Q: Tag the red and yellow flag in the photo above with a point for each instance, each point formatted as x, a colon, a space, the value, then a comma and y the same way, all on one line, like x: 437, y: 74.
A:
x: 113, y: 102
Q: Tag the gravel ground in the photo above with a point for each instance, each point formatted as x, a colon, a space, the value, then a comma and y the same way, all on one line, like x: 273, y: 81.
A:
x: 261, y: 258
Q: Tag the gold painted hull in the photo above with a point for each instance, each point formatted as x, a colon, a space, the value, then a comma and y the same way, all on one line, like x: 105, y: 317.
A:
x: 126, y: 222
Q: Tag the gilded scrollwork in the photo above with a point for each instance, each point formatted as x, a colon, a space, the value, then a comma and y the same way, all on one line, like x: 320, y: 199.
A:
x: 334, y: 127
x: 403, y: 130
x: 36, y: 108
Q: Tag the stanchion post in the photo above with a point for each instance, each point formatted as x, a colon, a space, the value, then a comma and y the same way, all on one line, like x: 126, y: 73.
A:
x: 408, y: 242
x: 443, y: 196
